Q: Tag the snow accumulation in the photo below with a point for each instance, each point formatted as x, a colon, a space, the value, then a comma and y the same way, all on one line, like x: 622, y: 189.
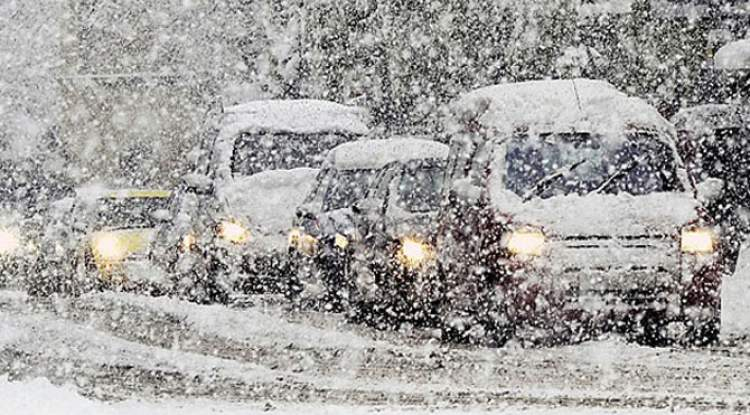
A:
x: 707, y: 118
x: 268, y: 200
x: 305, y: 116
x: 557, y: 106
x: 733, y: 56
x: 592, y: 214
x: 375, y: 154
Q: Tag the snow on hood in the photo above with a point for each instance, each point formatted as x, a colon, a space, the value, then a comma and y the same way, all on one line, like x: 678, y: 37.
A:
x: 601, y: 214
x: 559, y: 105
x: 304, y: 116
x: 733, y: 56
x: 707, y: 118
x: 376, y: 154
x: 267, y: 201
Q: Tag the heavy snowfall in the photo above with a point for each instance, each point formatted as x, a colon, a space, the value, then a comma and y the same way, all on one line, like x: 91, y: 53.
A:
x: 352, y: 207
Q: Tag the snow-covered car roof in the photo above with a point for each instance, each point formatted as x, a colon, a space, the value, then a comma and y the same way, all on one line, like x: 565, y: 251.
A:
x: 733, y: 56
x: 375, y: 154
x: 304, y: 116
x: 704, y: 119
x: 556, y: 106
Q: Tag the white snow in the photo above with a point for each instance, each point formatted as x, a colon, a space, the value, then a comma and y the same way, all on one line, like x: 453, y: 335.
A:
x: 735, y: 299
x: 40, y: 397
x: 733, y: 56
x: 706, y: 118
x: 268, y: 201
x: 375, y: 154
x: 557, y: 106
x: 304, y: 116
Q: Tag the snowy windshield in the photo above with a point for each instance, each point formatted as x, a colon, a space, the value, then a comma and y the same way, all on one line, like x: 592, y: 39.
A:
x: 116, y: 213
x: 347, y: 187
x: 420, y: 189
x: 579, y: 163
x: 257, y: 152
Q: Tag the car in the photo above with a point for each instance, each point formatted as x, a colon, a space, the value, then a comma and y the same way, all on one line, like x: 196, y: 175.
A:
x: 569, y: 211
x: 31, y: 200
x: 714, y: 142
x: 392, y: 276
x: 230, y: 236
x: 112, y: 232
x: 329, y: 223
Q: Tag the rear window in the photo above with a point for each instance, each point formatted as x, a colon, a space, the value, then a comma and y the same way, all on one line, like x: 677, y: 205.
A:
x: 347, y: 187
x: 254, y: 153
x: 420, y: 189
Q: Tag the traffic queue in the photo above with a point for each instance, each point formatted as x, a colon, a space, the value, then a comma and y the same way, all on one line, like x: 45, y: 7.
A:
x: 548, y: 209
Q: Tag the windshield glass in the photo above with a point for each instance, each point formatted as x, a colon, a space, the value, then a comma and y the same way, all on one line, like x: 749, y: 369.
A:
x: 113, y: 213
x: 257, y: 152
x: 420, y: 189
x: 637, y: 164
x: 347, y: 187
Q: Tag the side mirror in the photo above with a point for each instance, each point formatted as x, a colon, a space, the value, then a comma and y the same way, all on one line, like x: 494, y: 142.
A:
x: 161, y: 215
x: 709, y: 189
x: 198, y: 183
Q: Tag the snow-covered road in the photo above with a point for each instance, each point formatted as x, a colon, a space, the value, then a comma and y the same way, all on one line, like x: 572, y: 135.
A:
x: 123, y: 353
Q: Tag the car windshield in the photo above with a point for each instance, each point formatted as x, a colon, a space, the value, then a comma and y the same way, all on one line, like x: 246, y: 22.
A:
x: 347, y: 187
x: 548, y: 165
x: 257, y: 152
x: 420, y: 189
x: 120, y: 213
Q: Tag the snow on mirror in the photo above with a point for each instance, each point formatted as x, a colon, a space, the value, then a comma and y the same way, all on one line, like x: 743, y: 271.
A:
x: 517, y: 206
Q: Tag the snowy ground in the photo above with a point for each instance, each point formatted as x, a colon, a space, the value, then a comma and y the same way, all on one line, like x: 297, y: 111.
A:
x: 121, y: 354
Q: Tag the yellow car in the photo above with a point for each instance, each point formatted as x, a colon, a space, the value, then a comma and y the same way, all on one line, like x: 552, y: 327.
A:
x: 116, y: 231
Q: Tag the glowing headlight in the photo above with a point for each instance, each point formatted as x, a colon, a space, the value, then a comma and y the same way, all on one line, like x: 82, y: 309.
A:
x: 697, y: 241
x: 413, y: 253
x: 294, y: 236
x: 109, y: 248
x: 188, y: 242
x: 233, y: 232
x: 341, y: 241
x: 9, y: 242
x: 528, y: 242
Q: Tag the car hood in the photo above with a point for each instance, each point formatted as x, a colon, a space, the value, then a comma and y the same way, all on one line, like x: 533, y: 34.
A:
x: 602, y: 214
x: 267, y: 202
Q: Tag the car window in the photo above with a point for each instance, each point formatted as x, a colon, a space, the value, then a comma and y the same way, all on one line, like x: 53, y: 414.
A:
x: 347, y: 187
x: 257, y: 152
x: 116, y: 213
x: 637, y: 164
x: 420, y: 188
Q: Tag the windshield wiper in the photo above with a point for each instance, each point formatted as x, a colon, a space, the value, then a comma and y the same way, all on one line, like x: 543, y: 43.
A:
x: 545, y: 181
x: 618, y: 173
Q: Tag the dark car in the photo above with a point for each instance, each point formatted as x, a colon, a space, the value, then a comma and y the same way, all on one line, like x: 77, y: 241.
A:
x: 232, y: 216
x: 570, y: 212
x: 329, y: 225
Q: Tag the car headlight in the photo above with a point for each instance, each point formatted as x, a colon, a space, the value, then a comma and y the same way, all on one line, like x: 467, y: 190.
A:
x: 9, y: 242
x: 233, y: 232
x: 528, y: 242
x: 341, y: 241
x: 188, y: 242
x: 698, y: 241
x: 294, y: 237
x: 109, y: 248
x: 413, y: 253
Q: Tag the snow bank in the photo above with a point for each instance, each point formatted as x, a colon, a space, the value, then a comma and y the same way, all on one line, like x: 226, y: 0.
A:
x: 375, y: 154
x: 39, y: 396
x: 733, y: 56
x: 557, y: 106
x: 735, y: 299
